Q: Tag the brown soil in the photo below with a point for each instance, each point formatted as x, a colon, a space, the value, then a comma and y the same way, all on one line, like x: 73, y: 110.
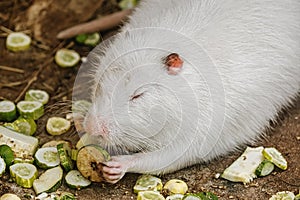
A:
x: 39, y: 71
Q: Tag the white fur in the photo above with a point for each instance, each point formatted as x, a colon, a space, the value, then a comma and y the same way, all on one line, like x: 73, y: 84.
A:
x: 241, y: 66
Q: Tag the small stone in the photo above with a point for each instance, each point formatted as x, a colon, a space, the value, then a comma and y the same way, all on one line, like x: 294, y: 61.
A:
x: 217, y: 175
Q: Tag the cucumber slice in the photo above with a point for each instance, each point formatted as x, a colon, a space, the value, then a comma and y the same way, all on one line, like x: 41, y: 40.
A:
x: 37, y: 95
x: 88, y: 39
x: 284, y: 195
x: 30, y: 109
x: 54, y: 143
x: 265, y: 168
x: 297, y: 197
x: 192, y: 197
x: 23, y: 174
x: 81, y: 106
x: 87, y: 139
x: 147, y: 183
x: 49, y: 181
x: 175, y: 186
x: 8, y: 111
x: 75, y: 180
x: 29, y: 160
x: 7, y: 154
x: 26, y: 126
x: 22, y: 145
x: 64, y: 152
x: 275, y: 157
x: 74, y: 154
x: 17, y: 42
x: 66, y: 58
x: 243, y: 169
x: 175, y: 197
x: 57, y: 125
x: 89, y: 159
x: 47, y: 157
x: 127, y: 4
x: 9, y: 196
x: 67, y: 196
x: 150, y: 195
x: 2, y: 166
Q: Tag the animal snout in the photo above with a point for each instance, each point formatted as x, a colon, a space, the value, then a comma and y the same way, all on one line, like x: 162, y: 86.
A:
x: 95, y: 125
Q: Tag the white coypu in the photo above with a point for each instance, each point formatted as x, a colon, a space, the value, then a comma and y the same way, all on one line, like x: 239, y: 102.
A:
x: 239, y: 65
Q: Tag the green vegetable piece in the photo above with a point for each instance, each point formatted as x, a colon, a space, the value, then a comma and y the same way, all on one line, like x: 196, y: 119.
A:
x: 37, y: 95
x: 7, y: 154
x: 275, y: 157
x: 23, y: 174
x: 26, y: 126
x: 30, y: 109
x: 265, y: 168
x: 8, y: 111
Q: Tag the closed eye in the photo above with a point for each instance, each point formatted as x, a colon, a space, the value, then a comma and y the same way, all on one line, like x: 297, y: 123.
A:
x: 136, y: 96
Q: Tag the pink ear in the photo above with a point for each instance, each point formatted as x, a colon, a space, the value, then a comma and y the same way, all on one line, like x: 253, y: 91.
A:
x: 173, y: 63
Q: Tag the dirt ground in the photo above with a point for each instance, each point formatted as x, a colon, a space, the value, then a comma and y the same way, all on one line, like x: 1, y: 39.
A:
x: 36, y: 69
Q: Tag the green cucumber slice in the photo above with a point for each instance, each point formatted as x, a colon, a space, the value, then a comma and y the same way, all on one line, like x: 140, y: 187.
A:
x: 175, y: 197
x: 150, y: 195
x: 26, y: 126
x: 74, y: 154
x: 64, y: 152
x: 54, y: 143
x: 89, y: 159
x: 49, y: 181
x: 7, y: 154
x: 8, y: 111
x: 9, y: 196
x: 91, y: 39
x: 265, y: 168
x: 30, y: 109
x: 146, y: 183
x: 66, y: 58
x: 47, y: 157
x: 284, y: 195
x: 17, y: 42
x: 67, y: 196
x: 57, y: 125
x: 127, y: 4
x: 75, y: 180
x: 37, y: 95
x: 175, y: 186
x: 23, y: 174
x: 2, y: 166
x: 22, y: 145
x: 275, y: 157
x: 24, y: 160
x: 243, y: 169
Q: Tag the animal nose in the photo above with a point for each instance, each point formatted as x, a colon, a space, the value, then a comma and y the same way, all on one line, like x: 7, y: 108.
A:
x: 95, y: 125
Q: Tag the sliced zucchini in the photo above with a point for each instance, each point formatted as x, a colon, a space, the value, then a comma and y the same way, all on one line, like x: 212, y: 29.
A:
x: 7, y: 154
x: 127, y: 4
x: 146, y: 183
x: 57, y: 125
x: 27, y: 126
x: 175, y: 197
x: 150, y: 195
x: 23, y: 174
x: 49, y: 181
x: 54, y: 143
x: 89, y: 162
x: 64, y: 152
x: 66, y: 58
x: 284, y: 195
x: 22, y: 145
x: 275, y: 157
x: 91, y: 39
x: 175, y: 186
x: 2, y: 166
x: 47, y: 157
x: 9, y: 196
x: 265, y: 168
x: 17, y: 42
x: 74, y: 154
x: 67, y: 196
x: 37, y: 95
x: 8, y: 111
x: 24, y: 160
x: 30, y: 109
x: 75, y: 180
x: 243, y: 169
